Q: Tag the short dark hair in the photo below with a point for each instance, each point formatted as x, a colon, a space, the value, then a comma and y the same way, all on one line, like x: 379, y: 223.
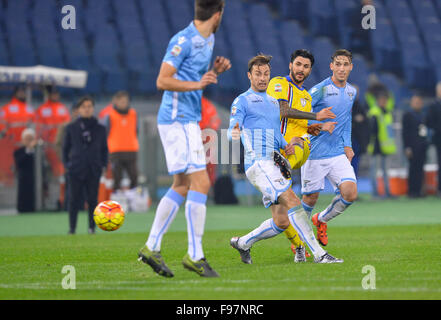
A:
x: 303, y: 53
x: 204, y: 9
x: 259, y: 60
x: 84, y: 99
x: 342, y: 52
x: 121, y: 94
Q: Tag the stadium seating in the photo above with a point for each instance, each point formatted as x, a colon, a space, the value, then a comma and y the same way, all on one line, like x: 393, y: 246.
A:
x: 122, y: 43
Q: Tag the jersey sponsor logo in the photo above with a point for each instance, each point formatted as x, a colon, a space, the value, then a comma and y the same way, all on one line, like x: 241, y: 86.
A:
x: 176, y: 51
x: 13, y: 108
x: 46, y: 112
x: 332, y: 94
x: 278, y: 87
x: 61, y: 111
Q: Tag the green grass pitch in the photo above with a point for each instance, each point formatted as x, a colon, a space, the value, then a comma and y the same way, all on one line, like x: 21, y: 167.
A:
x: 400, y: 238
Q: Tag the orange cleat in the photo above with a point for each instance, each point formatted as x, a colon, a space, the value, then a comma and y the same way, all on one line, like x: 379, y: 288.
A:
x: 293, y: 249
x: 322, y: 236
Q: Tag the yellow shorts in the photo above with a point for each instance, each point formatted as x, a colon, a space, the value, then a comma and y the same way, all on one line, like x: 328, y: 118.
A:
x: 300, y: 155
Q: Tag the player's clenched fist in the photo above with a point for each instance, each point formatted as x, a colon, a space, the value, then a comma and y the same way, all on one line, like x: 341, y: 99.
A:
x: 221, y: 64
x: 209, y: 77
x: 235, y: 132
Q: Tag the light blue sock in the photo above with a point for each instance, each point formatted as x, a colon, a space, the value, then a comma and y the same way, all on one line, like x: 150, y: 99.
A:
x: 266, y: 230
x: 166, y: 212
x: 337, y: 206
x: 195, y: 212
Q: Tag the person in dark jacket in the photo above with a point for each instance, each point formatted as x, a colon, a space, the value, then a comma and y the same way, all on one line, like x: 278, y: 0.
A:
x: 415, y: 145
x: 24, y: 159
x: 85, y: 157
x: 360, y: 132
x: 433, y: 121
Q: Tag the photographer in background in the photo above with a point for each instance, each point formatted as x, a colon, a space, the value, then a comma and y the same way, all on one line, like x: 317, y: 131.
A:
x: 85, y: 157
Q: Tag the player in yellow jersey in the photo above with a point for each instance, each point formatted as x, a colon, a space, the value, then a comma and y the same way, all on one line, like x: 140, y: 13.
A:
x: 295, y: 111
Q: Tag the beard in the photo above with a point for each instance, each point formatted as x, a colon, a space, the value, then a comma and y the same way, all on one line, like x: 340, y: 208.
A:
x: 297, y: 81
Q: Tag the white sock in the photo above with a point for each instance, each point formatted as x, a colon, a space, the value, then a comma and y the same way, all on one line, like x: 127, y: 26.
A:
x: 195, y: 212
x: 300, y: 221
x: 266, y: 230
x: 337, y: 206
x: 166, y: 212
x: 307, y: 208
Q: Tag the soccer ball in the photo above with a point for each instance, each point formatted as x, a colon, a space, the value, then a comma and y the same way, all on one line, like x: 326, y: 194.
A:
x: 109, y: 215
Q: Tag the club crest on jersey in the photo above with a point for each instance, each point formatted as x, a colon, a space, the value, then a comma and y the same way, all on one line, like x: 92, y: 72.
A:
x: 278, y: 87
x: 303, y: 102
x: 351, y: 95
x: 181, y: 40
x: 176, y: 51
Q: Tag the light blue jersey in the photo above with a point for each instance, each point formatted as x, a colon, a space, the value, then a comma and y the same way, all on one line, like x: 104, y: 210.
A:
x: 258, y: 116
x: 327, y: 94
x: 190, y: 53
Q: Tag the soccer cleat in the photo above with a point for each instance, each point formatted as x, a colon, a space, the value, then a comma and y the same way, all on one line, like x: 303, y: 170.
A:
x: 327, y: 258
x: 300, y: 254
x: 245, y: 255
x: 322, y: 236
x: 155, y: 260
x: 201, y: 267
x: 293, y: 249
x: 283, y: 164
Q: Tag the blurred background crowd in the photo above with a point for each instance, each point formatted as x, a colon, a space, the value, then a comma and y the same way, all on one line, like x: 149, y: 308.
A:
x: 396, y: 118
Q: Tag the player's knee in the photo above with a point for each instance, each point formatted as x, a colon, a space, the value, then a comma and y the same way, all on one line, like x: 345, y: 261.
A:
x: 200, y: 182
x: 310, y: 199
x: 282, y: 223
x: 350, y: 195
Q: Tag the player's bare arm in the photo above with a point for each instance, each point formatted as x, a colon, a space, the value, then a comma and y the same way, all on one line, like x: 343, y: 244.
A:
x: 166, y: 81
x: 220, y: 65
x: 287, y: 112
x: 316, y: 128
x: 235, y: 132
x: 349, y: 153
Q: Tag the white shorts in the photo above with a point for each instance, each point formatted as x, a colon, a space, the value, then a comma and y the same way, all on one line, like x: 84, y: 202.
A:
x: 268, y: 179
x: 183, y: 147
x: 337, y: 170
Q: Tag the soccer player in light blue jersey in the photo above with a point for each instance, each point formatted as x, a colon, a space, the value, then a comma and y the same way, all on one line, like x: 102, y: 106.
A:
x: 183, y: 75
x: 331, y: 154
x: 255, y: 119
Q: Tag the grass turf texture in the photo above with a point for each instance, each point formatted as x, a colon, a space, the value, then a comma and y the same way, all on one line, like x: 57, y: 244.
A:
x: 400, y: 238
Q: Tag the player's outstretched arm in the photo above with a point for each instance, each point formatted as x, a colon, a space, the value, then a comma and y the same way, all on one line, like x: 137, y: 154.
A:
x: 287, y: 112
x: 166, y: 81
x: 221, y: 64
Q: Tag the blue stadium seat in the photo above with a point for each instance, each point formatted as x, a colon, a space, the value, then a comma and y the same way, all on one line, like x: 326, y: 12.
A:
x: 94, y: 81
x: 156, y: 27
x: 322, y: 49
x: 116, y: 79
x: 384, y: 45
x: 179, y: 13
x: 4, y: 59
x: 322, y: 18
x: 291, y: 36
x: 227, y: 80
x: 360, y: 73
x: 289, y: 9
